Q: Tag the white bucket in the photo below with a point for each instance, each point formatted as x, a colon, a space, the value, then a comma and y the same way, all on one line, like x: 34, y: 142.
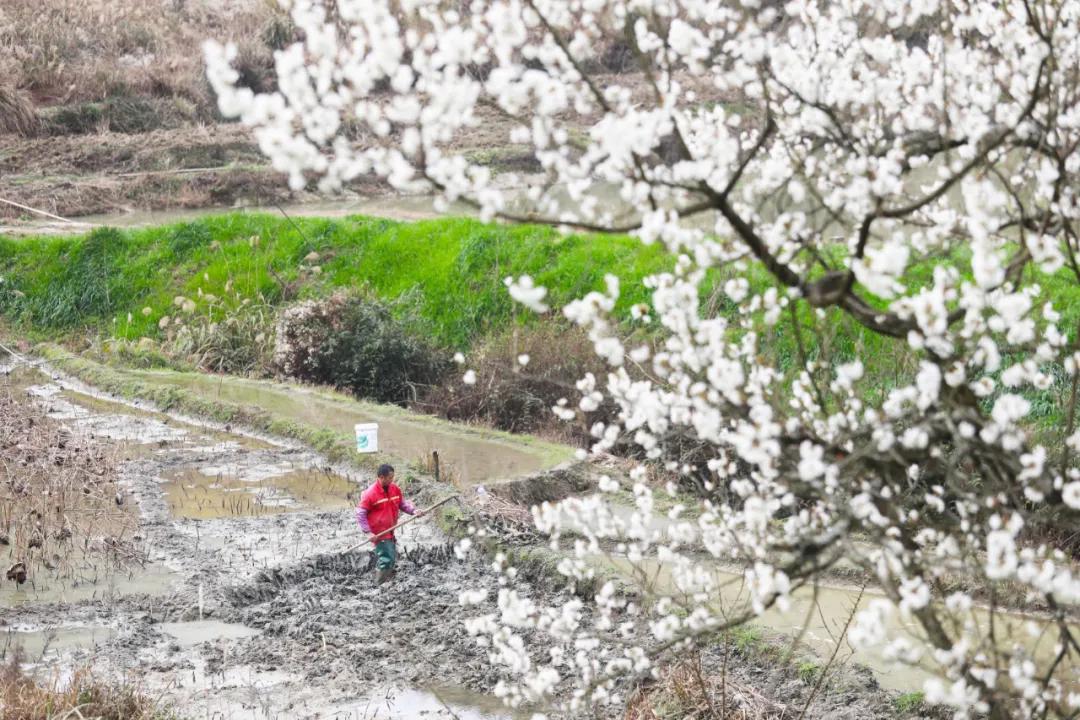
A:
x: 367, y: 437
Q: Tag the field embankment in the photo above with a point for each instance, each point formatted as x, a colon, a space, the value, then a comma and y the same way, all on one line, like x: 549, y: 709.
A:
x: 334, y: 302
x: 449, y: 271
x: 211, y: 294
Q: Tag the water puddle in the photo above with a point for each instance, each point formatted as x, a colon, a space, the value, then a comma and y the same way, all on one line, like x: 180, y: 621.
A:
x: 109, y: 426
x: 235, y: 692
x: 818, y: 616
x: 239, y: 692
x: 189, y: 634
x: 204, y: 493
x: 39, y: 643
x: 136, y: 431
x: 81, y: 578
x: 431, y: 702
x: 471, y: 458
x: 131, y: 426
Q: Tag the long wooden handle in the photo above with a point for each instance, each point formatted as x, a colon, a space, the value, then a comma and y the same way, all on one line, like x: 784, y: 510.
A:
x: 406, y: 521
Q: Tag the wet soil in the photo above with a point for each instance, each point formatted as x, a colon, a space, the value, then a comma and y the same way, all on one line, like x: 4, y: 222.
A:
x: 471, y: 457
x: 231, y: 493
x: 235, y: 610
x: 273, y: 612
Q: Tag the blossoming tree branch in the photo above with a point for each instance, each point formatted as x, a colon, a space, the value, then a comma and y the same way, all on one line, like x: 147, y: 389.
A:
x: 905, y: 170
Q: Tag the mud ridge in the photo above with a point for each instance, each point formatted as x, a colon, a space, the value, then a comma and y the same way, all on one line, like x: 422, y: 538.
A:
x: 337, y: 569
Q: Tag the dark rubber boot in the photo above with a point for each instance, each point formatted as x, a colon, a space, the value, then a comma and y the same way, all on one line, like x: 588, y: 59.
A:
x: 382, y: 576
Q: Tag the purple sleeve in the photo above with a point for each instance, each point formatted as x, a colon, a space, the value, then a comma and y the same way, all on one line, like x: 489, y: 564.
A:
x: 361, y: 519
x: 407, y: 507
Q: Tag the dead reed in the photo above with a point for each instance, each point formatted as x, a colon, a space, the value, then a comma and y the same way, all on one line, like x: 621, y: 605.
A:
x: 59, y: 500
x: 81, y: 695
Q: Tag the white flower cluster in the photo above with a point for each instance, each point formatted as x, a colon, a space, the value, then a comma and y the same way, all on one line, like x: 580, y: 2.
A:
x: 903, y: 172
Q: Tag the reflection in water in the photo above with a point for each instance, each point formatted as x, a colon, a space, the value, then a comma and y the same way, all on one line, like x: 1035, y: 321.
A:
x: 193, y: 493
x: 81, y: 576
x: 391, y: 703
x: 38, y: 643
x: 195, y: 632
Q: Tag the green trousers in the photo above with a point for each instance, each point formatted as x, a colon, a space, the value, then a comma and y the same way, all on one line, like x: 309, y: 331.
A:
x: 385, y: 555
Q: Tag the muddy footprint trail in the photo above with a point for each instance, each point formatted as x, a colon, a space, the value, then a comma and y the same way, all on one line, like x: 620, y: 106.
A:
x: 248, y: 597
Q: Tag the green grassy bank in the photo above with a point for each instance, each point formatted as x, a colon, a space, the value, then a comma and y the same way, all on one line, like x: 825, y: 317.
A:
x: 448, y: 273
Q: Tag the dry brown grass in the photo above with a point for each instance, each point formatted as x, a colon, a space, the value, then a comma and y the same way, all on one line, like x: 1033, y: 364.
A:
x: 447, y: 473
x: 96, y: 194
x: 80, y: 696
x: 68, y: 51
x: 17, y: 114
x: 686, y: 691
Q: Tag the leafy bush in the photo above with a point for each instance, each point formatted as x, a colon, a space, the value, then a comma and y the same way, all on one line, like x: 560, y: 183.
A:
x: 355, y: 343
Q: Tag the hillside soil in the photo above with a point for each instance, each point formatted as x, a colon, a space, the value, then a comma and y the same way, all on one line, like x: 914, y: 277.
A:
x: 173, y: 162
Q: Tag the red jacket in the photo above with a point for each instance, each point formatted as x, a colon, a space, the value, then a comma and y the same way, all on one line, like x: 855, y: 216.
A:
x: 379, y: 509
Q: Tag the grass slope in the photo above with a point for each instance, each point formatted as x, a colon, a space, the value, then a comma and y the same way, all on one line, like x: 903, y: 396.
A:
x: 451, y: 271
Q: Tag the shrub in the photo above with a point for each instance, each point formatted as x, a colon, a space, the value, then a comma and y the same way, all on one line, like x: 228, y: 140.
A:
x: 355, y: 343
x: 118, y: 114
x: 518, y: 398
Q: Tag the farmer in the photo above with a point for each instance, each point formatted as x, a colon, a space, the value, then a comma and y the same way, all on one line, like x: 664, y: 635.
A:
x: 378, y: 512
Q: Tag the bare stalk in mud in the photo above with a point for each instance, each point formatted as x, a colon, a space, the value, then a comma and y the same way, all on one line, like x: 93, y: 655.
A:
x: 60, y: 506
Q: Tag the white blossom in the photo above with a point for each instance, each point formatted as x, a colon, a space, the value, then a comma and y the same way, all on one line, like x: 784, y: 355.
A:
x: 858, y: 328
x: 529, y: 295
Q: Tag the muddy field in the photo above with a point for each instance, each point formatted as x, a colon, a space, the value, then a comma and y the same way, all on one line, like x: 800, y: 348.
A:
x: 244, y: 575
x: 248, y: 593
x: 243, y: 592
